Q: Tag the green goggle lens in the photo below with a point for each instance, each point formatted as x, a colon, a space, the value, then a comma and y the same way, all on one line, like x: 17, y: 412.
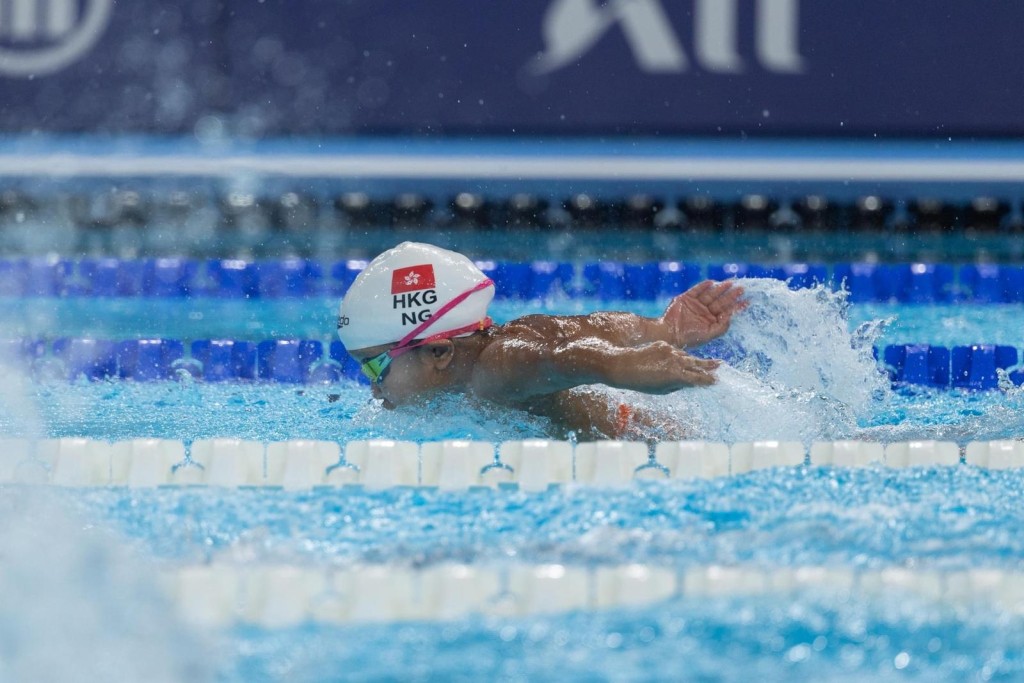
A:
x: 376, y: 368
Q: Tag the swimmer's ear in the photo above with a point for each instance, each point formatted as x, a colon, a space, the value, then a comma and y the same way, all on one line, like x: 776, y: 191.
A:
x: 440, y: 353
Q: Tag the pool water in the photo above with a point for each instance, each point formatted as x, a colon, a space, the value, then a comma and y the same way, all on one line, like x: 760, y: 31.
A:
x: 924, y: 519
x: 946, y: 518
x: 716, y: 639
x: 800, y: 368
x: 315, y: 317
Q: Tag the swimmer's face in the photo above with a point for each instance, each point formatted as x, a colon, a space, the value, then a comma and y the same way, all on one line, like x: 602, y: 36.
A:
x: 412, y: 376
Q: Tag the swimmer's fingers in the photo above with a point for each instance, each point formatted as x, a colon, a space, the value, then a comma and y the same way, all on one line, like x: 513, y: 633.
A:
x: 706, y: 296
x: 702, y: 313
x: 725, y: 298
x: 704, y: 363
x: 700, y: 290
x: 720, y: 290
x: 698, y: 378
x: 700, y: 372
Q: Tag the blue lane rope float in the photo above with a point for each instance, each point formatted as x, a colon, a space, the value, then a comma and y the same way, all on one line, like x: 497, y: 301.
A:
x: 910, y: 283
x: 304, y: 361
x: 964, y: 367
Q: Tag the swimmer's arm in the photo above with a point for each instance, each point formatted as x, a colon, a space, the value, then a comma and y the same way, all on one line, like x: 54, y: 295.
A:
x: 691, y: 319
x: 517, y: 371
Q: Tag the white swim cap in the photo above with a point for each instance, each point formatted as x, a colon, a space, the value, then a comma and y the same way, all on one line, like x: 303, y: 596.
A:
x: 406, y: 286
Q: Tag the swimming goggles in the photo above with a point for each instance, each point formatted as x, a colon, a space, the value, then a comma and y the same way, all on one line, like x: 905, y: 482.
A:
x: 377, y: 367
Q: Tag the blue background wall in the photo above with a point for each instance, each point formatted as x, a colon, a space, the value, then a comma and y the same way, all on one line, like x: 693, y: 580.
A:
x: 662, y: 67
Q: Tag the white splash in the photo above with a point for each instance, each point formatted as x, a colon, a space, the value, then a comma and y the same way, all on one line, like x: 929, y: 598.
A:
x: 795, y: 372
x: 75, y: 604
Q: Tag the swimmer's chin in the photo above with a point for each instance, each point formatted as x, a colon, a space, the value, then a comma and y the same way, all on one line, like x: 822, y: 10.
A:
x: 387, y: 405
x: 421, y: 398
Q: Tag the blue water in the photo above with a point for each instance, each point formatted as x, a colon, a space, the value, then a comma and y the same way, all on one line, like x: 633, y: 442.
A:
x: 873, y: 518
x: 798, y: 378
x: 190, y: 410
x: 943, y: 518
x: 801, y: 369
x: 314, y: 318
x: 681, y: 640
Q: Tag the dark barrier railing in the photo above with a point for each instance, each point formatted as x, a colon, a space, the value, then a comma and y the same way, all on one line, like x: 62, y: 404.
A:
x: 272, y: 210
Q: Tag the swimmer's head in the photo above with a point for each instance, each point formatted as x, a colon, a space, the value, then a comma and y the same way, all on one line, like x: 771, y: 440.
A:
x: 410, y: 377
x: 414, y: 296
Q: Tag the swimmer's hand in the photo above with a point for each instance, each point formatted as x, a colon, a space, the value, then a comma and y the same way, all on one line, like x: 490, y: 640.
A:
x: 660, y: 368
x: 702, y: 313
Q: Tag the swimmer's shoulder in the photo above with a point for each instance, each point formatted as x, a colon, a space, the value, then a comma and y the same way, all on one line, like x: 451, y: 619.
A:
x: 503, y: 371
x: 525, y: 337
x: 534, y: 327
x: 528, y: 330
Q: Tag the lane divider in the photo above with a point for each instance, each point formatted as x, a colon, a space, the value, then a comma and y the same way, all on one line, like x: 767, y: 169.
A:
x: 531, y: 465
x: 305, y: 361
x: 914, y: 283
x: 219, y: 595
x: 978, y: 366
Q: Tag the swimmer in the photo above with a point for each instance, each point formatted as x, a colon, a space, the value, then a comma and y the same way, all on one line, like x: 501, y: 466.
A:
x: 416, y: 321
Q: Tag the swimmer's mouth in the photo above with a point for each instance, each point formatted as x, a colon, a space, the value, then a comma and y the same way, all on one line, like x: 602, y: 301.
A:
x: 388, y: 405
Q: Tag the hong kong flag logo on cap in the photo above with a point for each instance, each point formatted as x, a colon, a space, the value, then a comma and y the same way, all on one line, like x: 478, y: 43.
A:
x: 412, y: 278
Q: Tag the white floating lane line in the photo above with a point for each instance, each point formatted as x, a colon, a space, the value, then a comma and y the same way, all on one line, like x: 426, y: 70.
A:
x: 219, y: 595
x: 531, y: 465
x: 509, y: 167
